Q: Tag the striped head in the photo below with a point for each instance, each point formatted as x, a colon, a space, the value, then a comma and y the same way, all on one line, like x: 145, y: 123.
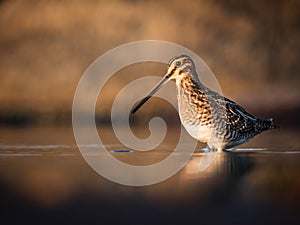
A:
x: 180, y: 67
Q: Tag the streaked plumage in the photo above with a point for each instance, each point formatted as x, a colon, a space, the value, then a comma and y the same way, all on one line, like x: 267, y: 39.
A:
x: 205, y: 114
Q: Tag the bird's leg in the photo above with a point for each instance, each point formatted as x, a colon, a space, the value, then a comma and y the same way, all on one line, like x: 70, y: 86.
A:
x: 206, y: 149
x: 213, y: 148
x: 207, y: 159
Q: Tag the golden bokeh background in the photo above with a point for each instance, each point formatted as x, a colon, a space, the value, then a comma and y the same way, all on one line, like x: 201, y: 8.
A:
x: 251, y: 46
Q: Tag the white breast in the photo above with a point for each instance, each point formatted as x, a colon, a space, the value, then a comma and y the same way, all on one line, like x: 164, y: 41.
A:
x: 201, y: 133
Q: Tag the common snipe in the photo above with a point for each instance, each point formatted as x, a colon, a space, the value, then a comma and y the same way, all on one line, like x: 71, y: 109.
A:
x: 205, y: 114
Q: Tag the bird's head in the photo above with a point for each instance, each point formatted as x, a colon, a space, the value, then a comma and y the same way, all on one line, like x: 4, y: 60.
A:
x: 179, y: 67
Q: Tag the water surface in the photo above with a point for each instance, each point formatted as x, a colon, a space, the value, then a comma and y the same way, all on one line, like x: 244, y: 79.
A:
x: 44, y: 179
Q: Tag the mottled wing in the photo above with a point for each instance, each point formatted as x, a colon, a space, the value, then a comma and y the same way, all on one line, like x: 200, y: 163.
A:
x: 236, y: 119
x: 239, y: 119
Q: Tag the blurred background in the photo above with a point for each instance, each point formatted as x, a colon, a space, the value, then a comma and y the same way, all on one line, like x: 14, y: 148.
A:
x: 251, y: 46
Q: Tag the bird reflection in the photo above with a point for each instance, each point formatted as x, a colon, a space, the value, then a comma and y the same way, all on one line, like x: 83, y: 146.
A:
x: 225, y: 164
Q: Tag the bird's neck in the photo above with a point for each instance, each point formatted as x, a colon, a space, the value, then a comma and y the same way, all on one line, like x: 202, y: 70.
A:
x: 189, y: 84
x: 190, y: 92
x: 192, y: 101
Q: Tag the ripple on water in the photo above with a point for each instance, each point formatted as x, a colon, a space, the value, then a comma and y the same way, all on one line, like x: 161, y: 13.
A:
x: 63, y: 150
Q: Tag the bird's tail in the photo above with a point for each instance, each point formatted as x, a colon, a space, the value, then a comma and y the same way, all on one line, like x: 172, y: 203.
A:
x: 268, y: 124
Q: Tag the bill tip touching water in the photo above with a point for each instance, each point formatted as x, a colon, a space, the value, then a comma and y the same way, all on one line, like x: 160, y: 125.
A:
x: 206, y: 115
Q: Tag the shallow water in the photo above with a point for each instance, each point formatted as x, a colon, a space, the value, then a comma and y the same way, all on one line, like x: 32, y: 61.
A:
x: 44, y: 179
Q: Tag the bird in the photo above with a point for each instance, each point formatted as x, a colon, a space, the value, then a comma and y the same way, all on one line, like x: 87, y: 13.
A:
x: 206, y: 115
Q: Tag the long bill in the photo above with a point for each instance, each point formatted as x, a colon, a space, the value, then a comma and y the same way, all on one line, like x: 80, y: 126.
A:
x: 151, y: 93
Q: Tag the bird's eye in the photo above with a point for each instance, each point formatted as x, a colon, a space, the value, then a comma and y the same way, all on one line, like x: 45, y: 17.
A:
x: 178, y: 63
